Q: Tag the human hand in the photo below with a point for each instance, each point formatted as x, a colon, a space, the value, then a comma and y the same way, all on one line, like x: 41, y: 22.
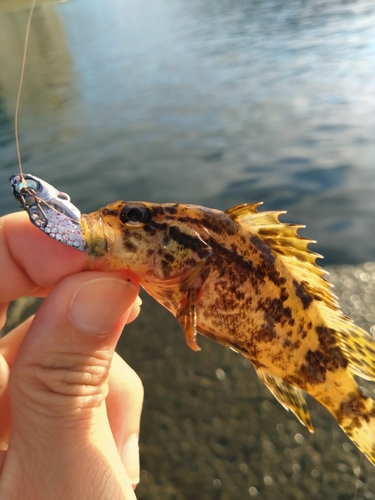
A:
x: 69, y: 406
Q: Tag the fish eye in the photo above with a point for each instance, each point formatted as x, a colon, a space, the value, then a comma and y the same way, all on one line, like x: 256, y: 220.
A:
x: 135, y: 215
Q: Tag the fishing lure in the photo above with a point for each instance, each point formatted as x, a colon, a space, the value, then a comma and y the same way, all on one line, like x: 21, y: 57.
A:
x: 49, y: 209
x: 239, y: 277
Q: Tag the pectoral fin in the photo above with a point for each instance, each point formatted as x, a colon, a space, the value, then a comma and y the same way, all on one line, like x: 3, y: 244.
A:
x: 290, y: 397
x: 187, y: 317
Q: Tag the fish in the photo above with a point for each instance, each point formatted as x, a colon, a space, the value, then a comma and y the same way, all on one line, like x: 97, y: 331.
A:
x: 239, y: 277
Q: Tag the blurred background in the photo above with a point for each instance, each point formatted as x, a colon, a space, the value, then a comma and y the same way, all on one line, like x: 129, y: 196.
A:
x: 213, y: 102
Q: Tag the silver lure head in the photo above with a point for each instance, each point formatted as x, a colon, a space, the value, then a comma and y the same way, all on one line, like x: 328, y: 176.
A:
x: 49, y: 209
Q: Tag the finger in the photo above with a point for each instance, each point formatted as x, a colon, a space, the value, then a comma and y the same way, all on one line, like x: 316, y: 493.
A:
x: 4, y: 404
x: 10, y: 343
x: 124, y: 406
x: 134, y: 310
x: 9, y: 346
x: 3, y: 314
x: 59, y: 383
x: 30, y: 259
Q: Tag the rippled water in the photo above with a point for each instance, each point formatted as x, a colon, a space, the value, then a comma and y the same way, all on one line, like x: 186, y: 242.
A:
x: 214, y: 102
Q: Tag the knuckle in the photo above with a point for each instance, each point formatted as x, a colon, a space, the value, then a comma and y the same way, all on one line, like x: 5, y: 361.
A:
x: 75, y: 380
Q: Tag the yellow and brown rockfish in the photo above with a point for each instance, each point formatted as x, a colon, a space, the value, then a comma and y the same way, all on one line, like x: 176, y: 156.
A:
x: 241, y: 278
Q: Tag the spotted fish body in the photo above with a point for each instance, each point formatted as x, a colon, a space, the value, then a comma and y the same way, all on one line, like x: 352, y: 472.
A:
x: 249, y: 282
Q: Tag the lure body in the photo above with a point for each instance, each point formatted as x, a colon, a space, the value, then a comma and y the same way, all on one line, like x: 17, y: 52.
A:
x: 49, y: 209
x: 247, y: 281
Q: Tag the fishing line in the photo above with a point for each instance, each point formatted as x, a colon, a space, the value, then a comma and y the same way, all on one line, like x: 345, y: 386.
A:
x: 27, y: 36
x: 27, y: 189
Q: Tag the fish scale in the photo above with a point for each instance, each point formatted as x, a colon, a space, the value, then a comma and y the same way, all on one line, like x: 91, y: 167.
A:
x: 240, y: 277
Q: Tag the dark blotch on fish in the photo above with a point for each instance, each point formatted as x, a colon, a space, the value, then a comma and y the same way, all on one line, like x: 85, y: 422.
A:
x: 153, y: 227
x: 171, y: 210
x: 301, y: 293
x: 276, y: 310
x: 186, y: 240
x: 130, y: 246
x: 107, y: 211
x: 355, y: 409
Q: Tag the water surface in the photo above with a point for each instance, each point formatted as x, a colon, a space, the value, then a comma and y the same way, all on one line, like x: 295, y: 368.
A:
x: 213, y: 102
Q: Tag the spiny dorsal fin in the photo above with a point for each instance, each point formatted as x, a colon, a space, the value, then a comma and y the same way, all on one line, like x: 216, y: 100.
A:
x: 291, y: 248
x: 290, y: 397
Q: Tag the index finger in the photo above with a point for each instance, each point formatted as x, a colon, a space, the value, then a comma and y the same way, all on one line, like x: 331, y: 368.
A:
x: 30, y: 260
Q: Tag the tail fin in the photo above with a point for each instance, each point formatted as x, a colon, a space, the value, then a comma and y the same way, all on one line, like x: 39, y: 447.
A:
x: 356, y: 416
x: 356, y: 412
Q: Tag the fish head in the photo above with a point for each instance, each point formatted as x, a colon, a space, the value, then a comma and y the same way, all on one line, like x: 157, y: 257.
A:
x: 155, y: 241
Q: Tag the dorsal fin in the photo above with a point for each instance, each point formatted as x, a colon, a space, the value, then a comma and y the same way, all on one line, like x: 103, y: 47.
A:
x: 357, y: 344
x: 291, y: 248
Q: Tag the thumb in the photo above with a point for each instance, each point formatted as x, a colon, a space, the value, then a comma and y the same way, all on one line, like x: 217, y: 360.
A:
x: 61, y: 440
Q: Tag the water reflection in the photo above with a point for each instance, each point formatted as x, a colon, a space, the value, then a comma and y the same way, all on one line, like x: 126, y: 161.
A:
x: 48, y: 90
x: 215, y: 103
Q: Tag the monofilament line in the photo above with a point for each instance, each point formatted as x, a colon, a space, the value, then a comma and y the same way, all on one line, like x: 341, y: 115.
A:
x: 21, y: 82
